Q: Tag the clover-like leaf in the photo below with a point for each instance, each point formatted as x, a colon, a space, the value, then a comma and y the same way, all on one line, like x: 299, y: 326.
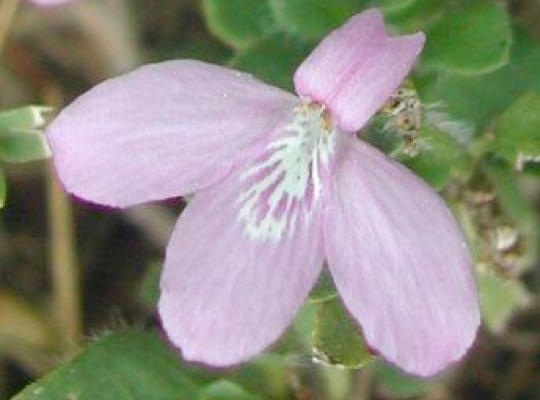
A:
x: 23, y: 147
x: 239, y: 22
x: 20, y: 137
x: 22, y: 119
x: 311, y: 19
x: 129, y: 365
x: 475, y: 39
x: 273, y: 59
x: 478, y: 99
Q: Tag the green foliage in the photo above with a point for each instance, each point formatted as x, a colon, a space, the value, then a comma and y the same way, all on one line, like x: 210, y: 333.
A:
x: 20, y: 137
x: 312, y: 19
x: 399, y: 385
x: 517, y: 131
x: 439, y: 156
x: 265, y: 375
x: 273, y: 59
x: 22, y: 119
x: 478, y: 99
x: 415, y: 15
x: 225, y: 390
x: 336, y: 338
x: 324, y: 289
x: 239, y: 22
x: 390, y: 6
x: 125, y: 365
x: 23, y: 147
x: 510, y: 196
x: 515, y: 205
x: 499, y: 298
x: 475, y: 39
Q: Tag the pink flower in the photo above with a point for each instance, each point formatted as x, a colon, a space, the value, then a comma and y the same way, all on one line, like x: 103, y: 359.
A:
x: 282, y: 185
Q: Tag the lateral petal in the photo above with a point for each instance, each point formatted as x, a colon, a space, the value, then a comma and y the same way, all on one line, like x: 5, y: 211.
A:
x: 161, y: 131
x: 399, y: 261
x: 226, y: 296
x: 356, y: 68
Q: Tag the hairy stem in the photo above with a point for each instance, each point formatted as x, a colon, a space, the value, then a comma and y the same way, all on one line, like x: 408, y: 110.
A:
x: 63, y: 265
x: 62, y: 257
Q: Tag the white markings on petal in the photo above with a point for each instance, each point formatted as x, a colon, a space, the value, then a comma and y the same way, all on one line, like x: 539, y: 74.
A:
x: 286, y: 180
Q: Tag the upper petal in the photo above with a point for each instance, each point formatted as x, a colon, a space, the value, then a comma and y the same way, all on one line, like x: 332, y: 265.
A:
x: 227, y: 295
x: 399, y: 261
x: 356, y: 68
x: 162, y: 130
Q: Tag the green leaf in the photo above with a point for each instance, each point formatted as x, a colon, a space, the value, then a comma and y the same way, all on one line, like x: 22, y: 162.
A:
x: 415, y: 15
x: 273, y: 59
x: 515, y: 205
x: 129, y: 365
x: 24, y: 147
x: 312, y: 19
x: 266, y: 375
x: 22, y: 119
x: 303, y: 325
x: 324, y: 289
x: 439, y: 157
x: 478, y: 99
x: 476, y: 39
x: 225, y: 390
x: 391, y: 5
x: 399, y: 385
x: 517, y: 132
x: 509, y: 195
x: 336, y: 338
x: 239, y: 22
x: 436, y: 152
x: 499, y: 298
x: 20, y: 137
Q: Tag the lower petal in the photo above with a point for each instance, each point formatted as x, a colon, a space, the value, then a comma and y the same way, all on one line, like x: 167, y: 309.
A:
x: 399, y: 261
x: 227, y: 295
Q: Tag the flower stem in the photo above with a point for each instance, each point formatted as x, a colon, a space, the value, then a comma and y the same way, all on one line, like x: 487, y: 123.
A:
x: 8, y: 9
x: 64, y: 272
x: 363, y: 383
x: 62, y: 259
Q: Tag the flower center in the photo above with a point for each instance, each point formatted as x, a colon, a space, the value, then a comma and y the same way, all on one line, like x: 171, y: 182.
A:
x: 286, y: 180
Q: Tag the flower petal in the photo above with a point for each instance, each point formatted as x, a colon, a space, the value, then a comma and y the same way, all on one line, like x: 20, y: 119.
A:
x: 356, y: 68
x: 162, y: 130
x: 399, y: 261
x: 225, y: 296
